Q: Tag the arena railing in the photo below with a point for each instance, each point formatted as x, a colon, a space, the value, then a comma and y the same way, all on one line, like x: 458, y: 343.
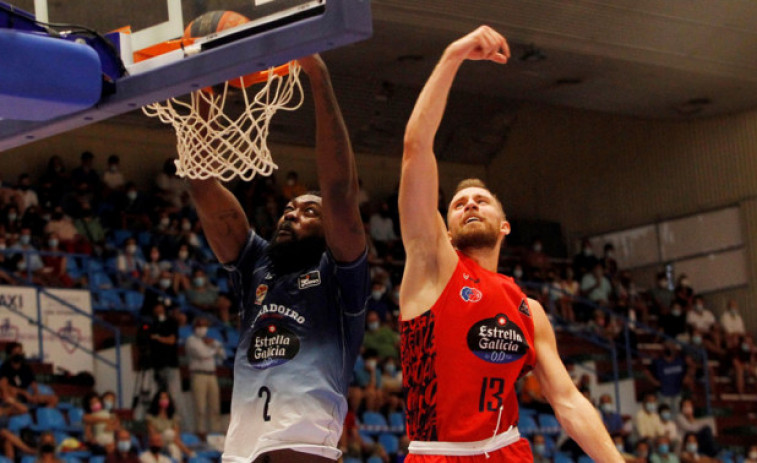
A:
x: 28, y: 281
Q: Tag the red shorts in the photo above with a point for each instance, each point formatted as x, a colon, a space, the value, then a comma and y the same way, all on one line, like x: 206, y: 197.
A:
x: 519, y: 452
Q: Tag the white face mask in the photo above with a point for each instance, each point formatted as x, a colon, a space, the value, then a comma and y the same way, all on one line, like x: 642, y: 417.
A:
x: 183, y: 255
x: 518, y: 273
x: 753, y: 455
x: 131, y: 249
x: 201, y: 331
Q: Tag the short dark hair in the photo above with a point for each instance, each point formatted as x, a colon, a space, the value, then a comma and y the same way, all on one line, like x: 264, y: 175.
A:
x: 87, y: 155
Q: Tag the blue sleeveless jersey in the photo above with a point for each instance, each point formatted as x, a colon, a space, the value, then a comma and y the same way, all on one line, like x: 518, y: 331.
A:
x: 300, y: 335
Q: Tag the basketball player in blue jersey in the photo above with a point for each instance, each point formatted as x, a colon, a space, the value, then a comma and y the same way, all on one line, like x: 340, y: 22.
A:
x: 301, y: 297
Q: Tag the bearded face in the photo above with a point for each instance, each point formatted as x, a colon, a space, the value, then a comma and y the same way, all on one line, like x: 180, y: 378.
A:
x: 476, y: 234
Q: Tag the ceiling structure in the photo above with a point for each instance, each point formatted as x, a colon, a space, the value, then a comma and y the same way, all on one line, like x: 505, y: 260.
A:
x: 666, y: 59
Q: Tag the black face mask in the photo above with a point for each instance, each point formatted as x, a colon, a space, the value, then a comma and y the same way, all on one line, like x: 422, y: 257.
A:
x: 155, y: 449
x: 47, y: 448
x: 17, y: 358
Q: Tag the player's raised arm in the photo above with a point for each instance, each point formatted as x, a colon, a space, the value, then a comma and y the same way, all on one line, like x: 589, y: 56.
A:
x: 430, y: 256
x: 222, y: 217
x: 335, y: 162
x: 579, y: 418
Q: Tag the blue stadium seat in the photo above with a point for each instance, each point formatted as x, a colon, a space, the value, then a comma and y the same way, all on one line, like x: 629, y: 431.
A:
x: 397, y: 421
x: 134, y: 300
x: 366, y: 438
x: 184, y: 332
x: 527, y: 425
x: 199, y: 460
x: 101, y: 280
x: 562, y: 458
x: 120, y: 236
x: 49, y: 419
x: 232, y: 337
x: 585, y: 459
x: 352, y: 460
x: 390, y: 442
x: 97, y: 459
x: 44, y: 389
x: 75, y: 417
x: 374, y: 459
x: 549, y: 425
x: 109, y: 299
x: 223, y: 285
x: 4, y: 459
x: 72, y: 268
x: 28, y: 459
x: 144, y: 239
x: 215, y: 333
x: 19, y: 422
x: 374, y: 422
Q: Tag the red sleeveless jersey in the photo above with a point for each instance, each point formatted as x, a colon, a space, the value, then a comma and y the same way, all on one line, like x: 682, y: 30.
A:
x: 460, y: 360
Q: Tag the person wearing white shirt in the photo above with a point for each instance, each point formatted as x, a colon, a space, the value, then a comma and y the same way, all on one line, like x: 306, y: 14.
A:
x: 202, y: 353
x: 700, y: 318
x: 154, y: 454
x: 732, y: 323
x: 648, y: 423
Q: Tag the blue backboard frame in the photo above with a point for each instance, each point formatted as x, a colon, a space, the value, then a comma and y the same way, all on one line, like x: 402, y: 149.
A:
x: 343, y: 22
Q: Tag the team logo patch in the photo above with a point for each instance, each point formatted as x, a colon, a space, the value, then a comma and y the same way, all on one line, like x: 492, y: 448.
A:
x: 260, y: 294
x: 70, y: 337
x: 308, y: 280
x: 497, y: 340
x: 470, y: 294
x: 523, y: 308
x: 8, y: 331
x: 272, y: 345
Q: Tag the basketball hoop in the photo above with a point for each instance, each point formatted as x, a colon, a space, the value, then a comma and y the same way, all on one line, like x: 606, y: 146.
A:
x: 213, y: 144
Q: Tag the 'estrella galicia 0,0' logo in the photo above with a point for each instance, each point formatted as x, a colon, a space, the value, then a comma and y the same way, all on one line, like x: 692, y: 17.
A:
x: 497, y: 340
x: 271, y: 346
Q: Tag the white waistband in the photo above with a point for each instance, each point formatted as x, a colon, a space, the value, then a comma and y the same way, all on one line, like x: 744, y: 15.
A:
x: 461, y: 449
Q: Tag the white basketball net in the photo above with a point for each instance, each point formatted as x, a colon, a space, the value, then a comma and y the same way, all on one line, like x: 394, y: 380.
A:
x: 215, y: 145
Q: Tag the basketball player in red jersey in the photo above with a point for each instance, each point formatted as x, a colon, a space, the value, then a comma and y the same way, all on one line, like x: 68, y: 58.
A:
x: 468, y: 333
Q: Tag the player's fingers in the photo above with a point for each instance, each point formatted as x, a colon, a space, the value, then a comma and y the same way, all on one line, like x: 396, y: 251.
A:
x: 499, y: 58
x: 505, y: 47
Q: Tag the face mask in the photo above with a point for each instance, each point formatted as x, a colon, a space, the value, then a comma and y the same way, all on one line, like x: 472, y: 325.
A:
x: 588, y: 252
x: 198, y: 281
x: 746, y: 347
x: 183, y: 255
x: 376, y: 294
x: 373, y: 326
x: 47, y: 448
x: 124, y: 446
x: 540, y: 449
x: 663, y: 448
x: 17, y: 358
x: 12, y: 217
x: 2, y: 246
x: 396, y: 295
x: 25, y: 239
x: 161, y: 318
x: 370, y: 364
x: 21, y: 265
x: 164, y: 222
x: 164, y: 403
x: 108, y: 404
x: 52, y: 243
x: 131, y: 249
x: 113, y: 168
x: 699, y: 307
x: 390, y: 369
x: 96, y: 407
x: 201, y: 331
x: 165, y: 283
x: 537, y: 248
x: 753, y: 455
x: 186, y: 226
x: 696, y: 339
x: 651, y: 407
x: 676, y: 312
x: 46, y: 217
x: 610, y: 254
x: 607, y: 407
x: 692, y: 447
x: 518, y: 273
x: 132, y: 195
x: 666, y: 416
x: 155, y: 450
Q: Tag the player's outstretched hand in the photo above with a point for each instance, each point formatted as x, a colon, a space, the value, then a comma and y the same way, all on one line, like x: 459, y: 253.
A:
x: 482, y: 44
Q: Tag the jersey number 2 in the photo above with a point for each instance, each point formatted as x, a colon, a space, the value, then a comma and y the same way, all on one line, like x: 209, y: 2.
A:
x: 267, y: 392
x: 491, y: 394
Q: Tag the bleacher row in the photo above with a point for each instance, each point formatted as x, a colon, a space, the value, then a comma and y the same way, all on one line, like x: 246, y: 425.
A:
x: 66, y: 424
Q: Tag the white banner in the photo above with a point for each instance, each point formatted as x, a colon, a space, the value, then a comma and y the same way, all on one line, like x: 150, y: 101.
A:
x: 72, y: 327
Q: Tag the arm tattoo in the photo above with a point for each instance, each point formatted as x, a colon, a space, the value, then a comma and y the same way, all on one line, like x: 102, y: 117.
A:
x: 228, y: 217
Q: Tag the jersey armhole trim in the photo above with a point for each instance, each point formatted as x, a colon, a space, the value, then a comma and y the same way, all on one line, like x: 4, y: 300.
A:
x: 232, y: 266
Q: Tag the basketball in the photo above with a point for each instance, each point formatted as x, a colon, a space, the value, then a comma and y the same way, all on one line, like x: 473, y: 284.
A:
x: 216, y: 21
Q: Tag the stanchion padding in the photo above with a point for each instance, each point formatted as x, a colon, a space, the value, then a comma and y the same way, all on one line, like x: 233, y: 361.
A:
x: 42, y: 77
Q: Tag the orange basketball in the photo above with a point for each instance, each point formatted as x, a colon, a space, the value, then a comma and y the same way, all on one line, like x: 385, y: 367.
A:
x: 216, y: 21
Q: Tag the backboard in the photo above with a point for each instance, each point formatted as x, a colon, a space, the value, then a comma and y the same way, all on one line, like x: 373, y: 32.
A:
x: 279, y: 31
